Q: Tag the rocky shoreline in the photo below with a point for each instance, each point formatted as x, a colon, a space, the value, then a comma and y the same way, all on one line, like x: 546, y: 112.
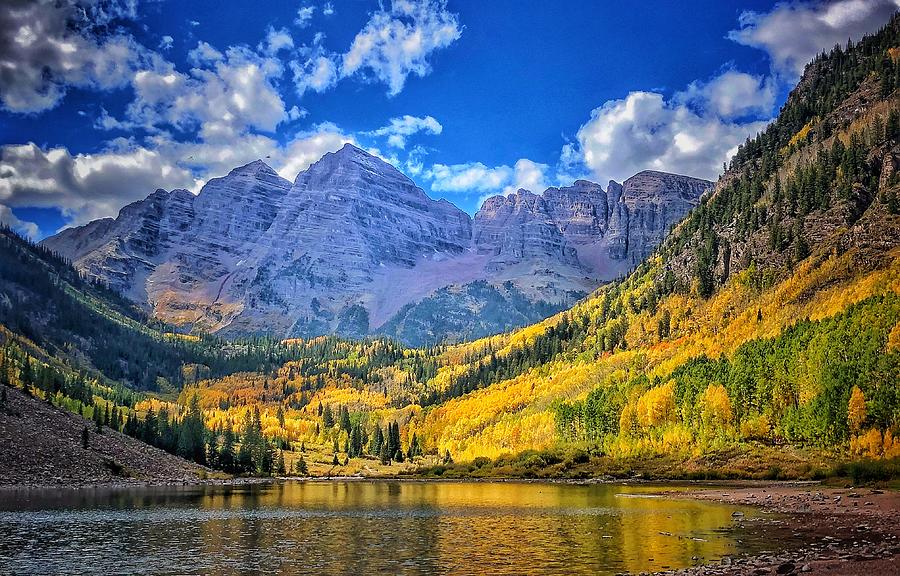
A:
x: 849, y: 531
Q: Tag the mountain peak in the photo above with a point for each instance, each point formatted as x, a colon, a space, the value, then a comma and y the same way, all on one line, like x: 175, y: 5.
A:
x: 349, y: 148
x: 645, y: 175
x: 255, y: 167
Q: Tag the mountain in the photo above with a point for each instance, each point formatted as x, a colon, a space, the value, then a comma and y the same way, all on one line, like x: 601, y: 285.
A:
x: 354, y: 247
x: 760, y: 339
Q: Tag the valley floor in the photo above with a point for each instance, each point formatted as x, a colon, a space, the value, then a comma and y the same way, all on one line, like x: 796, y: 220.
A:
x: 848, y: 531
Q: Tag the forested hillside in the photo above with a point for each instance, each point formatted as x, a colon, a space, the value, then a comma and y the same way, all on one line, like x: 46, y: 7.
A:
x: 767, y: 323
x: 763, y: 333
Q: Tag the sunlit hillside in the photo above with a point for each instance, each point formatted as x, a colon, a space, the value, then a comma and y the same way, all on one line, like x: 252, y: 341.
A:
x: 767, y: 323
x: 766, y: 311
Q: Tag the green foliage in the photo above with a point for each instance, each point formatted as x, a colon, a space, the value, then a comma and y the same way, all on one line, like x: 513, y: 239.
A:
x: 869, y: 471
x: 801, y: 381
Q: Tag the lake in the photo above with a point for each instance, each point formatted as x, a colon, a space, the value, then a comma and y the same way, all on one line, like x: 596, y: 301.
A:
x: 375, y: 527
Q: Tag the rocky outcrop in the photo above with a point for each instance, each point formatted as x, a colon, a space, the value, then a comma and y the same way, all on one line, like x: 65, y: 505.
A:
x: 354, y: 247
x: 601, y: 233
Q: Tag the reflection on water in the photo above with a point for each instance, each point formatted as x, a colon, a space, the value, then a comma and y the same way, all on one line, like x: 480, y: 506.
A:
x: 361, y: 527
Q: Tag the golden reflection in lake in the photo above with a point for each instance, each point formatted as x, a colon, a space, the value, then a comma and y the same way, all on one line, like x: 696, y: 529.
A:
x: 356, y: 527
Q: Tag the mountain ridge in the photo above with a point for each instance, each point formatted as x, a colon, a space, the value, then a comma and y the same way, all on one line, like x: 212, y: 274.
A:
x: 352, y: 242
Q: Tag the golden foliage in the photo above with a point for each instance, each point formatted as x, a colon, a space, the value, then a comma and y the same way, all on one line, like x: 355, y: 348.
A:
x: 874, y: 444
x: 756, y: 428
x: 657, y: 406
x: 715, y: 407
x: 801, y: 135
x: 856, y: 409
x: 893, y: 342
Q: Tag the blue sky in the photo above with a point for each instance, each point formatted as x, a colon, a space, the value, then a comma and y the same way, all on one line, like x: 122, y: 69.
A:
x: 101, y: 102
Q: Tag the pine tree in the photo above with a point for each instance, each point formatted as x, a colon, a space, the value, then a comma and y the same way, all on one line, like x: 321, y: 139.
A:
x: 149, y: 432
x: 84, y: 437
x: 98, y: 418
x: 385, y: 451
x: 345, y: 419
x: 4, y: 369
x: 334, y: 461
x: 25, y: 377
x: 356, y: 442
x: 301, y: 466
x: 192, y: 433
x: 279, y: 464
x: 415, y: 449
x: 327, y: 418
x: 377, y: 441
x: 280, y: 416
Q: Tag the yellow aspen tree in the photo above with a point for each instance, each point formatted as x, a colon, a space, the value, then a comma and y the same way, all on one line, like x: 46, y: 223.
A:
x: 856, y: 410
x: 657, y: 405
x: 715, y: 407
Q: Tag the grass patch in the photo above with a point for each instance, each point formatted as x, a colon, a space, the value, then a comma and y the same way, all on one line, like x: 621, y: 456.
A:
x: 869, y: 471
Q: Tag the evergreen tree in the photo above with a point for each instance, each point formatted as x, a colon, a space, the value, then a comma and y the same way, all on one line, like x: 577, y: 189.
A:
x: 345, y: 419
x: 301, y: 466
x: 26, y: 379
x: 4, y: 369
x: 334, y: 461
x: 377, y: 441
x: 415, y: 448
x: 98, y: 418
x: 356, y: 442
x: 192, y: 433
x: 327, y: 418
x: 84, y: 437
x: 384, y: 452
x: 227, y: 458
x: 150, y: 431
x: 279, y: 464
x: 245, y: 458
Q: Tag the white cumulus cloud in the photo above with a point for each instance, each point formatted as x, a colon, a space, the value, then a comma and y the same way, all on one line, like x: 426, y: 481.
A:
x: 732, y: 94
x: 399, y: 129
x: 793, y: 33
x: 27, y: 229
x: 96, y: 185
x: 304, y: 16
x: 84, y: 186
x: 229, y: 94
x: 317, y: 73
x: 46, y: 47
x: 397, y: 42
x: 486, y: 180
x: 645, y: 131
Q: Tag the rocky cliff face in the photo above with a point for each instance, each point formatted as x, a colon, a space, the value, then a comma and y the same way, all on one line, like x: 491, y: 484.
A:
x: 354, y: 247
x: 597, y: 233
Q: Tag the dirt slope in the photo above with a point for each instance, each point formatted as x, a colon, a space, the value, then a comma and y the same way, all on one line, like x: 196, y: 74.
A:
x: 42, y: 445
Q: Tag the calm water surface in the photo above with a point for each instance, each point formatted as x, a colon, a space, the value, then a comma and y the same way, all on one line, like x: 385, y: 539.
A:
x: 378, y: 527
